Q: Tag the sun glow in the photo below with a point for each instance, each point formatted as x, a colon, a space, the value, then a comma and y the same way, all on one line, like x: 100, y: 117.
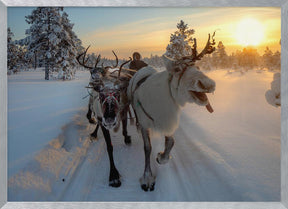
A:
x: 249, y: 32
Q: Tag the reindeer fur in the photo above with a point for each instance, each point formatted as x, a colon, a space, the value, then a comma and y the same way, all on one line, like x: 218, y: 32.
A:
x: 157, y: 101
x: 154, y: 95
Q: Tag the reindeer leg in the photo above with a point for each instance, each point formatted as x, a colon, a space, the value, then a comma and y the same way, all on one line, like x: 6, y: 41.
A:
x: 93, y: 136
x: 147, y: 180
x: 163, y: 157
x: 130, y: 116
x: 89, y: 116
x: 127, y: 138
x: 114, y: 177
x: 89, y: 113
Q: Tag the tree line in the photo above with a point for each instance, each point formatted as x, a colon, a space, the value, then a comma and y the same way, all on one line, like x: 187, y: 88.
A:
x: 51, y: 43
x: 182, y: 41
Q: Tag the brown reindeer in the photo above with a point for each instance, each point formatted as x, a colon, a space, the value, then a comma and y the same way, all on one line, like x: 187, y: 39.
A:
x: 108, y: 103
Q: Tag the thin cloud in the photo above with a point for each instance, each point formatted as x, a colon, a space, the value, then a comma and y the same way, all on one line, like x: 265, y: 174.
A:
x: 154, y: 33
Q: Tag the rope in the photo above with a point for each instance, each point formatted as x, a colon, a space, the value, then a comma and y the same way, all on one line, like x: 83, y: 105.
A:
x: 86, y: 96
x: 89, y: 94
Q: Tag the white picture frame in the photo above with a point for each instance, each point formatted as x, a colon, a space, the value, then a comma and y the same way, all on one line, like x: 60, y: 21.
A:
x: 145, y: 3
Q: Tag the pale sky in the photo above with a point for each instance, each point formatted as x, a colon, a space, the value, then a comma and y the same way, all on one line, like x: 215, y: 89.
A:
x: 147, y: 30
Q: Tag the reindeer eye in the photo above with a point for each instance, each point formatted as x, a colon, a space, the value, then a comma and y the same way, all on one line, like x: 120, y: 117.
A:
x: 177, y: 69
x: 98, y: 88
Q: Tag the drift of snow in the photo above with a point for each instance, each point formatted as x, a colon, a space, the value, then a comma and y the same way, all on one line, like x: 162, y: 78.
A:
x: 230, y: 155
x: 273, y: 96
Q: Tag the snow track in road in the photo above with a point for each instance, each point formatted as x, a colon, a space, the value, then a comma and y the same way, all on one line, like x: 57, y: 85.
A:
x: 74, y: 168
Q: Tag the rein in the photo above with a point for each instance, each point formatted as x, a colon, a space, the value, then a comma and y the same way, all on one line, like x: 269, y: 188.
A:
x: 138, y: 84
x: 89, y: 93
x: 146, y: 113
x: 180, y: 76
x: 178, y: 83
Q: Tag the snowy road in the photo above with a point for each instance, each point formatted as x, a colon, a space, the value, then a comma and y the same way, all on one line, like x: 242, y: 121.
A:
x: 230, y: 155
x: 73, y: 168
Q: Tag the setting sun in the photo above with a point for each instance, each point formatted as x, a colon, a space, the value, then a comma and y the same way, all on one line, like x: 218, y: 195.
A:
x: 249, y: 32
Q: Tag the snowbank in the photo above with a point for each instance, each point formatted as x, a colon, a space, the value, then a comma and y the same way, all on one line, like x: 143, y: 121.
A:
x: 273, y: 96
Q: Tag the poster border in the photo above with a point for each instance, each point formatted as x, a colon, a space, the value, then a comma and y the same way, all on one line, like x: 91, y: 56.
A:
x: 283, y: 204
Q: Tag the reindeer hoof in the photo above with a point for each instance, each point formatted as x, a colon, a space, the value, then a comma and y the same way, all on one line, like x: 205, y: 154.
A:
x: 115, y: 183
x: 114, y: 179
x: 161, y: 159
x: 147, y: 182
x: 93, y: 138
x: 92, y: 120
x: 146, y: 188
x: 127, y: 140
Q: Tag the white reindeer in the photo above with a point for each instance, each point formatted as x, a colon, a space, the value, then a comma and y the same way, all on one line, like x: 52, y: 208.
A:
x: 157, y: 98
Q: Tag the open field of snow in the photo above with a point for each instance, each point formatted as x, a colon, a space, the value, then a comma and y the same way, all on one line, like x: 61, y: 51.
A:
x: 232, y: 154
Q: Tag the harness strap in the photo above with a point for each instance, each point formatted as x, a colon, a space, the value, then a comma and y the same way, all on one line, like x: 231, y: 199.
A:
x: 138, y: 84
x: 139, y: 103
x: 180, y: 76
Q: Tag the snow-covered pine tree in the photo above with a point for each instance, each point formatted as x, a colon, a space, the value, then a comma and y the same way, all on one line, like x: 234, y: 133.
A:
x: 277, y: 60
x: 268, y: 58
x: 78, y: 44
x: 220, y: 56
x: 12, y: 57
x: 251, y: 58
x: 233, y: 63
x: 23, y: 61
x: 30, y: 57
x: 44, y: 34
x: 180, y: 42
x: 67, y: 49
x: 17, y: 59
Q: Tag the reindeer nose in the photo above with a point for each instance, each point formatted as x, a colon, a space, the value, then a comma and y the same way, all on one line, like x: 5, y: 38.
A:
x: 201, y: 85
x: 206, y: 85
x: 211, y: 86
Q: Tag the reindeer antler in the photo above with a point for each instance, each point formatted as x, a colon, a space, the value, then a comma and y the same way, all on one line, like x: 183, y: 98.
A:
x: 114, y: 66
x: 209, y: 48
x: 84, y: 60
x: 97, y: 60
x: 121, y: 66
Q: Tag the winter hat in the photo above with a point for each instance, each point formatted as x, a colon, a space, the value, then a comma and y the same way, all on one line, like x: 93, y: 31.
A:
x: 136, y: 55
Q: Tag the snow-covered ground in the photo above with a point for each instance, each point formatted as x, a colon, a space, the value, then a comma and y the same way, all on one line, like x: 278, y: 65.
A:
x: 232, y: 154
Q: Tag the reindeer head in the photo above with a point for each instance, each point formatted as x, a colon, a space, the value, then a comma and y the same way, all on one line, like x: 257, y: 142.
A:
x: 108, y: 88
x: 109, y: 98
x: 188, y: 83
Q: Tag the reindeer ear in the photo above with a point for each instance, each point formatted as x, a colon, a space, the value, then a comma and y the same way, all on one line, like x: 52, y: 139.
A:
x: 171, y: 65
